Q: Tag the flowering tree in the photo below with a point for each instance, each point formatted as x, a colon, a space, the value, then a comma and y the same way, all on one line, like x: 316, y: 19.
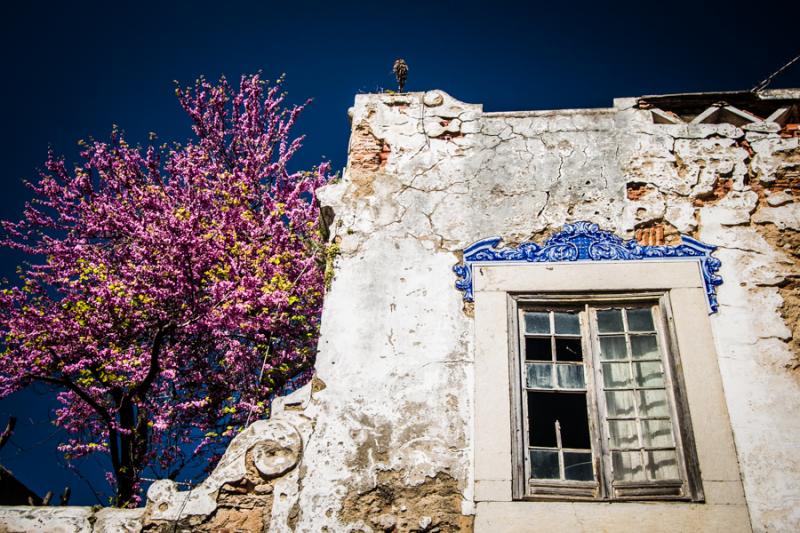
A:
x: 171, y: 291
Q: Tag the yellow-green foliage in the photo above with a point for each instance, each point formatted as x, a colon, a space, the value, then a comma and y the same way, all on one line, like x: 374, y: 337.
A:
x: 331, y: 251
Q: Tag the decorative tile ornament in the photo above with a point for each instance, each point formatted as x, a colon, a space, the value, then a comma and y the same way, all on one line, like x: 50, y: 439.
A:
x: 585, y: 241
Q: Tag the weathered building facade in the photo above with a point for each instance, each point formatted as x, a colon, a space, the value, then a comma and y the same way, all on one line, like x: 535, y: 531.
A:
x: 420, y: 415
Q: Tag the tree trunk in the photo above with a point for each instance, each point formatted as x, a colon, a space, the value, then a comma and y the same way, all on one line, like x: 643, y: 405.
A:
x: 129, y: 464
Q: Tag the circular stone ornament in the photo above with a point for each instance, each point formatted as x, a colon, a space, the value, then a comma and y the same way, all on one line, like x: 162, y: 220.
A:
x: 433, y: 99
x: 273, y: 458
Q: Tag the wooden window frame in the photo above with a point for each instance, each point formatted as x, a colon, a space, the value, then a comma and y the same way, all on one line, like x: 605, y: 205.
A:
x: 602, y: 489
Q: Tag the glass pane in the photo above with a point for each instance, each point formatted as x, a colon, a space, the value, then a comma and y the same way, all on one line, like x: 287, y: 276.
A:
x: 620, y: 404
x: 609, y: 321
x: 540, y: 376
x: 649, y: 374
x: 617, y: 375
x: 538, y: 349
x: 653, y: 403
x: 544, y: 464
x: 570, y: 376
x: 640, y: 320
x: 569, y: 349
x: 627, y: 466
x: 644, y: 347
x: 662, y: 464
x: 622, y: 434
x: 657, y: 433
x: 613, y: 348
x: 567, y: 323
x: 537, y: 322
x: 578, y: 466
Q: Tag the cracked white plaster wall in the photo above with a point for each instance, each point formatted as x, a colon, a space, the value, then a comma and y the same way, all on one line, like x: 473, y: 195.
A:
x: 686, y: 163
x: 455, y: 175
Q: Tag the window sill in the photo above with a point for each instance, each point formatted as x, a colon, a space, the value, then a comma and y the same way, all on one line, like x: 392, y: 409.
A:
x: 624, y: 492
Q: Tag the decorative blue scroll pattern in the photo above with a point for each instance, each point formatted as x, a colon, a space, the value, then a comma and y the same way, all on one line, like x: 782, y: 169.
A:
x: 585, y: 241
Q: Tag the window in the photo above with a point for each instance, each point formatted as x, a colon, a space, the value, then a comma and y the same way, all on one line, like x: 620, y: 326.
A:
x: 599, y: 400
x: 506, y: 497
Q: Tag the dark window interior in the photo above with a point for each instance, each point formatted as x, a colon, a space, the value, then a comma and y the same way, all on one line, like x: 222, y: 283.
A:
x: 568, y: 349
x: 544, y: 408
x: 538, y: 349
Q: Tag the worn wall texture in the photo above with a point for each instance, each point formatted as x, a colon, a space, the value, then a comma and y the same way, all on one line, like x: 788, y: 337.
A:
x: 381, y: 440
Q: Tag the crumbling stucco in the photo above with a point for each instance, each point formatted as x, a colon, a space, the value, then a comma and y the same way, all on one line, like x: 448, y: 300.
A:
x: 381, y: 440
x: 391, y: 505
x: 455, y: 175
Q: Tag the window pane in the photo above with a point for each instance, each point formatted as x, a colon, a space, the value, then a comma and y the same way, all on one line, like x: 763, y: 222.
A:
x: 578, y: 466
x: 620, y: 404
x: 640, y: 320
x: 657, y: 433
x: 609, y: 320
x: 644, y: 347
x: 567, y: 323
x: 565, y: 409
x: 662, y: 464
x: 653, y: 403
x: 544, y: 464
x: 636, y: 416
x: 613, y: 347
x: 569, y: 349
x: 538, y: 349
x: 573, y: 420
x: 617, y: 375
x: 540, y: 376
x: 627, y: 466
x: 537, y: 322
x: 649, y: 374
x: 570, y: 376
x: 622, y: 434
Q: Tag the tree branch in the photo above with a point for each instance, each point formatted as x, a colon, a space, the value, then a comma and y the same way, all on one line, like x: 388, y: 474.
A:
x: 155, y: 352
x: 83, y: 395
x: 104, y: 414
x: 12, y: 422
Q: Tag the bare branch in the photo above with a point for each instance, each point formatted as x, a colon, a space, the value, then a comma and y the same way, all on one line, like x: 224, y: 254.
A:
x: 64, y: 498
x: 12, y: 422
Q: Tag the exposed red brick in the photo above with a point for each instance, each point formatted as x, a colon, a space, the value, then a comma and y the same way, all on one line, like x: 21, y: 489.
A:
x: 367, y: 152
x: 384, y: 153
x: 657, y: 234
x: 636, y: 189
x: 722, y: 186
x: 368, y: 156
x: 791, y: 130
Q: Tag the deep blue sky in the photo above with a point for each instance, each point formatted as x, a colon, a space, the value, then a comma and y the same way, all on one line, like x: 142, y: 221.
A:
x: 71, y: 70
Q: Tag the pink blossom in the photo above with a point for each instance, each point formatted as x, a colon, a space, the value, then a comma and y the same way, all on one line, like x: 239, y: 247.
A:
x: 164, y: 278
